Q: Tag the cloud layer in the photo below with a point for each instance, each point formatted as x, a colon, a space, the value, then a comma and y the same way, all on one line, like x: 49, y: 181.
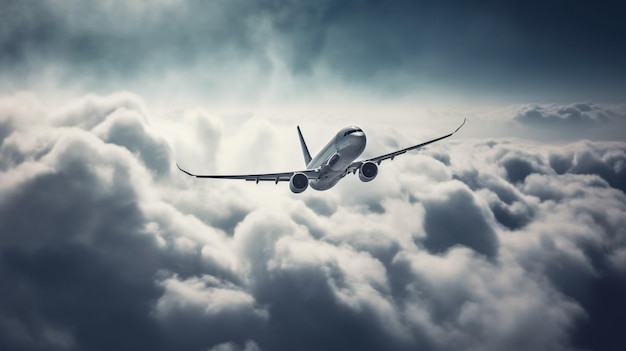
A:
x: 474, y: 244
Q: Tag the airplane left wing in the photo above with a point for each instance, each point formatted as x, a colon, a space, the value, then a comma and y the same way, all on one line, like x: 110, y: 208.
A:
x: 390, y: 156
x: 273, y: 177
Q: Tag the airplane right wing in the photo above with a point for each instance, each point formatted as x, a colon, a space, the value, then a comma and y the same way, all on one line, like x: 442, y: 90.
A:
x: 273, y: 177
x: 390, y: 156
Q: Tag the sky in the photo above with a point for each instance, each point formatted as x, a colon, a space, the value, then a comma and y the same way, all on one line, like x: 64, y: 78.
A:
x: 508, y: 236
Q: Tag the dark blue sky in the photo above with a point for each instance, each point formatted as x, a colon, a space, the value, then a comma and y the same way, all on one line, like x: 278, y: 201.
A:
x: 512, y: 51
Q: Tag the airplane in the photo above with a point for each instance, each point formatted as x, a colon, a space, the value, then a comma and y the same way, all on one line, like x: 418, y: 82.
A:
x: 331, y: 164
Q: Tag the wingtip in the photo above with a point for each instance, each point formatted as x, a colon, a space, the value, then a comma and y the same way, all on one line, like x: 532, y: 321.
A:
x: 182, y: 170
x: 462, y: 124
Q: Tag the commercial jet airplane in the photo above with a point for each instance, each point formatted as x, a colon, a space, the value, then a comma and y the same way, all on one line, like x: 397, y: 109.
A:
x: 330, y: 165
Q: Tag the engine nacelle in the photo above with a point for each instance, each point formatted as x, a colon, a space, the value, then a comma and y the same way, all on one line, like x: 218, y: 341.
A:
x: 368, y: 171
x: 298, y: 183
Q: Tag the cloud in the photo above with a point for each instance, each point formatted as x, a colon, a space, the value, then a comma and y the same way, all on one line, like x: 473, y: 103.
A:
x: 484, y: 244
x: 458, y: 220
x: 578, y: 114
x: 229, y: 346
x: 570, y: 122
x: 189, y: 308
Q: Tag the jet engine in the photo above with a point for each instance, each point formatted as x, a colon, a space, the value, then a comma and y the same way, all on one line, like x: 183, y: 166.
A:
x: 298, y: 183
x: 368, y: 171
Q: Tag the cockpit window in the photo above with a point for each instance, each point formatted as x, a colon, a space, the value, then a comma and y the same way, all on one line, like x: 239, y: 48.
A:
x: 352, y: 131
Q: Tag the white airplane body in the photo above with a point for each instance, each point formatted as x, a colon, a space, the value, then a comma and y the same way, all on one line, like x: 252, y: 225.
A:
x: 330, y: 165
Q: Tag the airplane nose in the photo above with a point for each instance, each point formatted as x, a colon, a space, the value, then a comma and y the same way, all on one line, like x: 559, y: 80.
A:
x: 358, y: 142
x: 356, y: 138
x: 353, y: 143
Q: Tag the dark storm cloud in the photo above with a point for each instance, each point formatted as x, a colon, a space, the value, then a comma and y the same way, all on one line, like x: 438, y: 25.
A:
x: 585, y: 158
x: 507, y: 244
x: 71, y: 243
x: 77, y: 249
x: 565, y: 48
x: 101, y: 44
x: 469, y: 227
x: 576, y: 180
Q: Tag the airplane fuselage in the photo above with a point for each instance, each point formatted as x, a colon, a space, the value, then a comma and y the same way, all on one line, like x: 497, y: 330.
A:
x: 335, y: 158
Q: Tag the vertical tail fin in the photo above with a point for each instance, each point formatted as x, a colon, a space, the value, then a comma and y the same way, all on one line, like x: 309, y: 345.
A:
x: 305, y: 150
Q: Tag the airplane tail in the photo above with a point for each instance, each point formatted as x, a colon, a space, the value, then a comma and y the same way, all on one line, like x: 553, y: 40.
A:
x: 305, y: 150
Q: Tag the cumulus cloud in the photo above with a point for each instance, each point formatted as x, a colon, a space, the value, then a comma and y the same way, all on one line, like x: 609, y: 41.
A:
x: 578, y: 114
x: 468, y: 244
x: 578, y: 120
